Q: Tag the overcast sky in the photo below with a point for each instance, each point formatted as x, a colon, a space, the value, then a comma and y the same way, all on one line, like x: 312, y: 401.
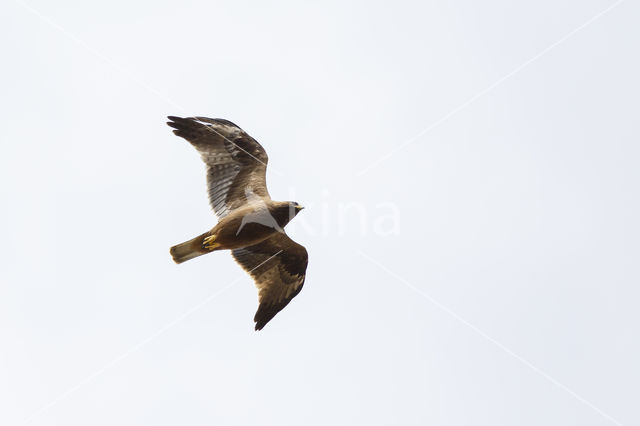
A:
x: 470, y: 172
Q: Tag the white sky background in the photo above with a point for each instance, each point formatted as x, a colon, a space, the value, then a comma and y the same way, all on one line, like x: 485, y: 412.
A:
x: 518, y: 214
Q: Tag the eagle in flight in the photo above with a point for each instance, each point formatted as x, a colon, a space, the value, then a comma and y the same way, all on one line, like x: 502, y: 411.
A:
x: 250, y: 223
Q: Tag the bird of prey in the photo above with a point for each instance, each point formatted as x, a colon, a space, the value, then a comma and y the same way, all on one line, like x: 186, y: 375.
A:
x: 250, y: 223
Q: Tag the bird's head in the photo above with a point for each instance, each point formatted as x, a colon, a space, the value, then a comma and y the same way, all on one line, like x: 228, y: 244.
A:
x: 284, y: 211
x: 295, y: 206
x: 294, y: 209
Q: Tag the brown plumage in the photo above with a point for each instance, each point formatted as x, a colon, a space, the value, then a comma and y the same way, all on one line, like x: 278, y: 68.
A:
x: 250, y: 224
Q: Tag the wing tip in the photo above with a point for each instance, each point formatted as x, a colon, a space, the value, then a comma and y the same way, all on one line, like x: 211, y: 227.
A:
x: 186, y: 128
x: 174, y: 119
x: 261, y: 319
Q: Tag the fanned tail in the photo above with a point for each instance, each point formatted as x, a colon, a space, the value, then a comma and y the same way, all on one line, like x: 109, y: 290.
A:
x: 189, y: 249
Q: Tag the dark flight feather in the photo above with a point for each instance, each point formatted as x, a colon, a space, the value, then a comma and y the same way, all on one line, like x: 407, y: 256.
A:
x: 278, y: 266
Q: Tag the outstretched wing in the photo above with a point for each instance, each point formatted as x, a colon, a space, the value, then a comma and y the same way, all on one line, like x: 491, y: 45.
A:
x: 236, y: 163
x: 278, y: 266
